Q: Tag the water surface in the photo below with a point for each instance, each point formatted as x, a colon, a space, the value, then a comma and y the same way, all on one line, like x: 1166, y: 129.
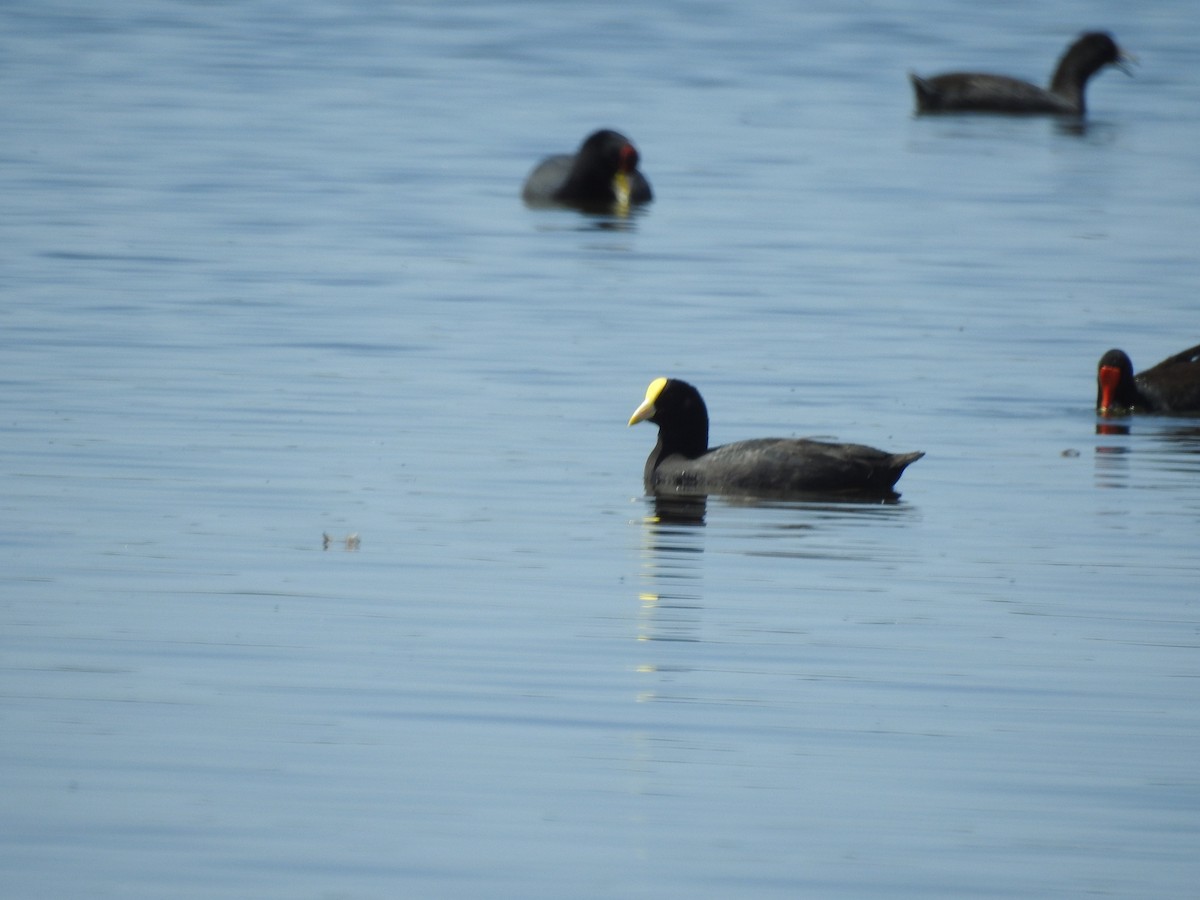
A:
x: 266, y: 277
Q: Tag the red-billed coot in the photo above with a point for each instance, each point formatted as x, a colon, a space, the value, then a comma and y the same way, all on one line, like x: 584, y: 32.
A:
x: 601, y: 177
x: 1173, y: 386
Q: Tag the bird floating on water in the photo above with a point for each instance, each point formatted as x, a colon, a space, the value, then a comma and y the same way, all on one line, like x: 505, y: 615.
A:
x: 981, y: 92
x: 1172, y: 386
x: 601, y: 177
x: 780, y: 468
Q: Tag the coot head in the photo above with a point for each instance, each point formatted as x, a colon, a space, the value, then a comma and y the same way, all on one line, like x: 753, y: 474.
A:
x: 1115, y: 385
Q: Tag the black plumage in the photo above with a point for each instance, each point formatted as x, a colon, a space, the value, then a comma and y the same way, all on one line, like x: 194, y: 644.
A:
x: 981, y: 92
x: 601, y: 177
x: 682, y: 463
x: 1172, y: 386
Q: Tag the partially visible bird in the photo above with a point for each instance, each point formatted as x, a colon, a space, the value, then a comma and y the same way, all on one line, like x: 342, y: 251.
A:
x: 682, y: 463
x: 601, y: 177
x: 1172, y: 386
x: 981, y: 92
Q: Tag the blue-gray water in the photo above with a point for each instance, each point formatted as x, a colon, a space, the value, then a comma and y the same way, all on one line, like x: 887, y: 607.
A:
x: 264, y: 275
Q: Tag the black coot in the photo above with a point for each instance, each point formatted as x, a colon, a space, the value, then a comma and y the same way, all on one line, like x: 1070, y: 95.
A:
x: 682, y: 463
x: 979, y: 92
x: 602, y: 177
x: 1173, y: 386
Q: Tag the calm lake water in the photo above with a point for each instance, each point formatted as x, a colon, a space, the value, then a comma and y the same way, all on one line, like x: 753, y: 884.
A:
x: 265, y: 276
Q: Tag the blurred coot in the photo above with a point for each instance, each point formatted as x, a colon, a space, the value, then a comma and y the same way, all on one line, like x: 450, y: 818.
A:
x: 601, y: 177
x: 980, y: 92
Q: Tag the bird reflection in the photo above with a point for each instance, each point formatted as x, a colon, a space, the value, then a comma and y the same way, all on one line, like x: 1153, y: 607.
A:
x: 679, y: 509
x: 593, y: 224
x: 1184, y: 438
x: 1160, y: 442
x: 623, y: 223
x: 672, y: 540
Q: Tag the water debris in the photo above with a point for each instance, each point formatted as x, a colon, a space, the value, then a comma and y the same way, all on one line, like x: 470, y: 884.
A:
x: 349, y: 542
